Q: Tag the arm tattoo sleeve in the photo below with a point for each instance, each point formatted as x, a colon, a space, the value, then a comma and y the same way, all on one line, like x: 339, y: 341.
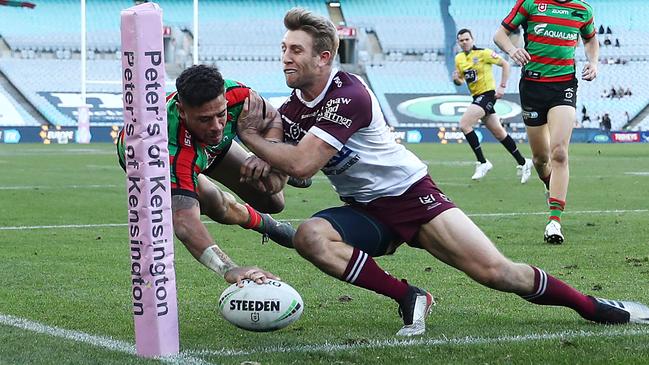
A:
x: 216, y: 260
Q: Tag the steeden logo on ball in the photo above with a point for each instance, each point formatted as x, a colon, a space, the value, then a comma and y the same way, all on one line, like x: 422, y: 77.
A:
x: 261, y: 307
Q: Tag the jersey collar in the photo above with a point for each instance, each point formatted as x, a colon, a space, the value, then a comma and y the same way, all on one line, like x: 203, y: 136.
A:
x: 319, y: 98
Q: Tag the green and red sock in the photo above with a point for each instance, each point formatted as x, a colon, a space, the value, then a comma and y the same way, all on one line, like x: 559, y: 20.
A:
x: 556, y: 209
x: 255, y: 222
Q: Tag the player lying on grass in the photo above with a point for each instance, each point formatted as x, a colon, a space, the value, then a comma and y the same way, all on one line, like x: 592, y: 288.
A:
x: 337, y: 126
x: 201, y: 117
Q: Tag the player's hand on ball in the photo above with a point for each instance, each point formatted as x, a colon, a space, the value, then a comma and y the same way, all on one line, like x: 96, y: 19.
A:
x: 237, y: 274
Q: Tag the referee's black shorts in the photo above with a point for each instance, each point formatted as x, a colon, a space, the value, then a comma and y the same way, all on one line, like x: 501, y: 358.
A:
x: 486, y: 101
x: 537, y: 98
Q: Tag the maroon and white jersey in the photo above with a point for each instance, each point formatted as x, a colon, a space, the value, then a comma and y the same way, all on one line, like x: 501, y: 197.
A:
x: 347, y: 116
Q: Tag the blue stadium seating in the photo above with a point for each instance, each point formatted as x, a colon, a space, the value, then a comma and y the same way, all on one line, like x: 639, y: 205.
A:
x: 242, y: 38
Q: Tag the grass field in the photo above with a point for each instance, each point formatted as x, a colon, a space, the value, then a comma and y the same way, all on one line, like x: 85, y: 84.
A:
x: 65, y: 283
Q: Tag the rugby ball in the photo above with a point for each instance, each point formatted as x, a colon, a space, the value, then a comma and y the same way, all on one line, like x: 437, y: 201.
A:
x: 261, y: 307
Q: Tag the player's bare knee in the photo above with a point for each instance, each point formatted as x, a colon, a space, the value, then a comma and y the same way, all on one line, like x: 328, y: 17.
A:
x: 493, y: 276
x: 308, y: 240
x: 499, y: 133
x: 466, y: 125
x: 560, y: 155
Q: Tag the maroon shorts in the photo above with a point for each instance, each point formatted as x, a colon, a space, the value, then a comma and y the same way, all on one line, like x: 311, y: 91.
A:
x: 406, y: 213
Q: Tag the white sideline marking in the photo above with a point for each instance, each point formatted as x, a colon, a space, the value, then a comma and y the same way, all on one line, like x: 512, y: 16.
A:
x: 637, y: 173
x: 98, y: 341
x: 189, y: 357
x: 100, y: 225
x: 466, y: 341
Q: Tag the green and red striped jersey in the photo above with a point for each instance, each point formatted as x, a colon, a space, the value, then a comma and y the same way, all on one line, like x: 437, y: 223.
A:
x: 187, y: 156
x: 551, y: 30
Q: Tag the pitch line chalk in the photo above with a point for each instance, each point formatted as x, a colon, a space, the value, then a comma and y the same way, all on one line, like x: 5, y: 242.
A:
x: 194, y: 356
x: 104, y: 342
x: 513, y: 214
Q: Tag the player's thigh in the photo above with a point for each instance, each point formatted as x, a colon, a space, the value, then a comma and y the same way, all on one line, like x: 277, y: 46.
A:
x: 453, y: 238
x: 492, y: 122
x: 471, y: 116
x: 227, y: 172
x: 538, y: 138
x: 360, y: 230
x: 560, y: 124
x: 210, y: 196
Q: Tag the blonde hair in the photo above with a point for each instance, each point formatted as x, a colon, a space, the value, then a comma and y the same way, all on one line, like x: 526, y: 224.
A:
x: 321, y: 29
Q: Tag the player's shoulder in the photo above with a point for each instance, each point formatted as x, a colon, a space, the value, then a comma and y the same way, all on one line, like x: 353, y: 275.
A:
x: 235, y: 92
x: 288, y: 103
x: 488, y: 52
x: 348, y: 86
x: 585, y: 4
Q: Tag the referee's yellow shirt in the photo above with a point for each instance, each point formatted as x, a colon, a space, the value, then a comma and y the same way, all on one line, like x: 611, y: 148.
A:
x: 475, y: 67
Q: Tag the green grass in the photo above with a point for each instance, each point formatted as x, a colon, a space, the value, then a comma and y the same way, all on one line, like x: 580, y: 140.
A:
x: 77, y: 278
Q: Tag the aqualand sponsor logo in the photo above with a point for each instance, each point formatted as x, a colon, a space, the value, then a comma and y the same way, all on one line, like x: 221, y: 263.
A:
x: 541, y: 30
x: 449, y: 108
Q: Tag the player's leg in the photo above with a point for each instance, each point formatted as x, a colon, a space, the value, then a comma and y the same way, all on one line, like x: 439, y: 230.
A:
x: 560, y: 129
x: 524, y: 167
x: 227, y: 172
x: 342, y: 242
x: 560, y: 124
x: 223, y: 208
x: 470, y: 117
x: 535, y: 99
x: 453, y: 238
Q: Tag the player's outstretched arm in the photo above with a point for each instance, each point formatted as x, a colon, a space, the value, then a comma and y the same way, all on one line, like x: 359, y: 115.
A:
x: 192, y: 233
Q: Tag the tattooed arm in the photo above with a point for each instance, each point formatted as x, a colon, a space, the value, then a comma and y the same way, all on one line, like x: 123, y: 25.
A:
x: 194, y: 235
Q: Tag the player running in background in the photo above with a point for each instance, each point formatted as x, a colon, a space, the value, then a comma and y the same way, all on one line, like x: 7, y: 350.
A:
x: 548, y: 86
x: 201, y: 116
x: 337, y: 125
x: 474, y: 66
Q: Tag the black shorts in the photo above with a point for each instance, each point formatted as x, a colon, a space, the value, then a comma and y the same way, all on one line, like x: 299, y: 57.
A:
x: 537, y: 98
x: 486, y: 101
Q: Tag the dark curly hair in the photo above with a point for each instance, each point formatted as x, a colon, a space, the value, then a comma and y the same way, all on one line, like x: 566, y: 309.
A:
x: 199, y: 84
